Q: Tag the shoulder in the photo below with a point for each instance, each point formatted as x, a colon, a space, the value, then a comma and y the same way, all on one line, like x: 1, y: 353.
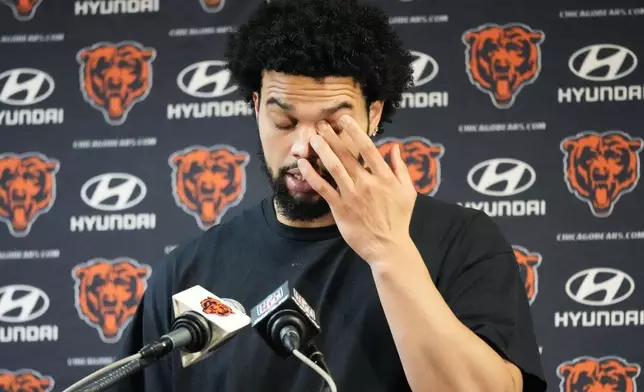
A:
x: 455, y: 226
x: 453, y: 238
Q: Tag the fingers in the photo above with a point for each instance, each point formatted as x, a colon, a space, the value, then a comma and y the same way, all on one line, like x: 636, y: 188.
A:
x: 366, y: 148
x: 339, y: 147
x: 399, y: 167
x: 319, y: 184
x: 332, y: 163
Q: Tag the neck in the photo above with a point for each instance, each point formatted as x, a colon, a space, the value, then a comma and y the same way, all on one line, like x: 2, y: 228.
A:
x: 325, y: 220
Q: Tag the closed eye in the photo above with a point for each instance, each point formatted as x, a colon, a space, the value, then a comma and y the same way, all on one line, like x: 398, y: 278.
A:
x: 284, y: 127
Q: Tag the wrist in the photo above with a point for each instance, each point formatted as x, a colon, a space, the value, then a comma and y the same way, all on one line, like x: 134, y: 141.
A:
x: 394, y: 253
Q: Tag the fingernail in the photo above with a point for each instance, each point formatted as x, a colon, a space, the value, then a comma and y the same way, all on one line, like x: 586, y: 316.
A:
x: 321, y: 125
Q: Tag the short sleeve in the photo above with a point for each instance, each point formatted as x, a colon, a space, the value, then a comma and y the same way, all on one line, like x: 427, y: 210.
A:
x: 486, y: 293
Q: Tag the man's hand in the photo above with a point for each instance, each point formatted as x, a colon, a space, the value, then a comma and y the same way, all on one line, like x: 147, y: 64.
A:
x: 371, y: 207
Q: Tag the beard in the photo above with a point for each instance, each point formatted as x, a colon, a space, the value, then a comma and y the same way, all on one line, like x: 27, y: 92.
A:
x: 303, y: 208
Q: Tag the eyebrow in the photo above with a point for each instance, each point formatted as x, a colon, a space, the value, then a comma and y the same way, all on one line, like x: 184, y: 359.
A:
x: 325, y: 112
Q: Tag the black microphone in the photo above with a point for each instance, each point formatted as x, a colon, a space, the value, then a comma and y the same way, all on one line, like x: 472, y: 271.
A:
x: 203, y: 322
x: 284, y: 320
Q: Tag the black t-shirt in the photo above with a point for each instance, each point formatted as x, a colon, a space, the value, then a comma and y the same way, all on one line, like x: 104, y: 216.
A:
x: 247, y: 258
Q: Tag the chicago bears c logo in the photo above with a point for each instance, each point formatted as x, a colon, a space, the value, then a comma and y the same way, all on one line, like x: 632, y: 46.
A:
x: 422, y: 158
x: 27, y: 189
x: 214, y: 306
x: 23, y: 10
x: 528, y: 263
x: 212, y: 5
x: 606, y: 374
x: 113, y: 77
x: 207, y: 181
x: 107, y: 293
x: 600, y: 168
x: 24, y: 380
x: 501, y: 60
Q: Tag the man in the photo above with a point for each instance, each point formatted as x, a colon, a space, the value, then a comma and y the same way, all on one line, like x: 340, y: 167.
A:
x: 413, y: 294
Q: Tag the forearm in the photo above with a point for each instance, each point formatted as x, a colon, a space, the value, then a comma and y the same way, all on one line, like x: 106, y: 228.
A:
x: 437, y: 351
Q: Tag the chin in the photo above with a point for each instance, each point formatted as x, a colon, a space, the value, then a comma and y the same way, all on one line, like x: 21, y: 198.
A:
x: 302, y: 207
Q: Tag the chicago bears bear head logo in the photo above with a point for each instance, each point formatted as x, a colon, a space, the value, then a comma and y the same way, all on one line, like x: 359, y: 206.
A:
x: 422, y: 158
x: 27, y: 189
x: 606, y: 374
x: 212, y: 305
x: 207, y: 181
x: 24, y: 380
x: 501, y: 60
x: 528, y: 263
x: 107, y: 293
x: 113, y: 77
x: 23, y: 10
x: 212, y: 5
x: 600, y: 168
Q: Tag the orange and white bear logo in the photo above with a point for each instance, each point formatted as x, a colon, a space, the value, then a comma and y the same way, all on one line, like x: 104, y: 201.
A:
x: 23, y: 10
x: 502, y: 60
x: 606, y: 374
x: 422, y: 158
x: 212, y: 305
x: 528, y: 263
x: 107, y: 293
x: 25, y: 380
x: 600, y: 168
x: 212, y: 6
x: 208, y: 181
x: 113, y: 77
x: 27, y: 189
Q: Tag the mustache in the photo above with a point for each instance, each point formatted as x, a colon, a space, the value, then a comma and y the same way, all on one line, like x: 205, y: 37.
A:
x: 315, y: 164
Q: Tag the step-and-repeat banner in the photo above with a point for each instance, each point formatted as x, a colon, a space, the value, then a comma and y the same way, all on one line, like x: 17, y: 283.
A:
x: 111, y: 109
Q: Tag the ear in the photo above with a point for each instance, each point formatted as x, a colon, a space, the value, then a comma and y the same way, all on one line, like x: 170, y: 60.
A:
x: 435, y: 152
x: 565, y: 370
x: 471, y: 36
x: 177, y: 159
x: 635, y: 145
x: 241, y: 159
x: 147, y: 54
x: 536, y: 37
x: 375, y: 114
x: 85, y: 55
x: 80, y: 273
x: 51, y: 166
x: 142, y: 272
x: 632, y: 371
x: 45, y: 383
x: 569, y: 145
x: 533, y: 260
x: 256, y: 103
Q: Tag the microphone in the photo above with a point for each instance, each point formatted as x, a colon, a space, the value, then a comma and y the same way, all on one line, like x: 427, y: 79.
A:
x: 203, y: 323
x: 220, y: 319
x: 285, y: 320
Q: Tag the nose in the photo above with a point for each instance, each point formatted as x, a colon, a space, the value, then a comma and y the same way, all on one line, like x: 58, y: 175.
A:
x: 114, y: 79
x: 301, y: 147
x: 599, y: 173
x: 207, y: 187
x: 18, y: 194
x: 501, y: 64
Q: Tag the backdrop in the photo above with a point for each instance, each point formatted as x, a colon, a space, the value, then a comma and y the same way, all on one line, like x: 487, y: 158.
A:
x: 108, y: 109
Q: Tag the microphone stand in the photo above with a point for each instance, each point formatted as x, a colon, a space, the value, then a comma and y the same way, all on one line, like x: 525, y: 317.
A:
x: 106, y: 382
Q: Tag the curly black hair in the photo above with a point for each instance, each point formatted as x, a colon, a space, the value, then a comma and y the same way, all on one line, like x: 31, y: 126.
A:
x: 320, y: 38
